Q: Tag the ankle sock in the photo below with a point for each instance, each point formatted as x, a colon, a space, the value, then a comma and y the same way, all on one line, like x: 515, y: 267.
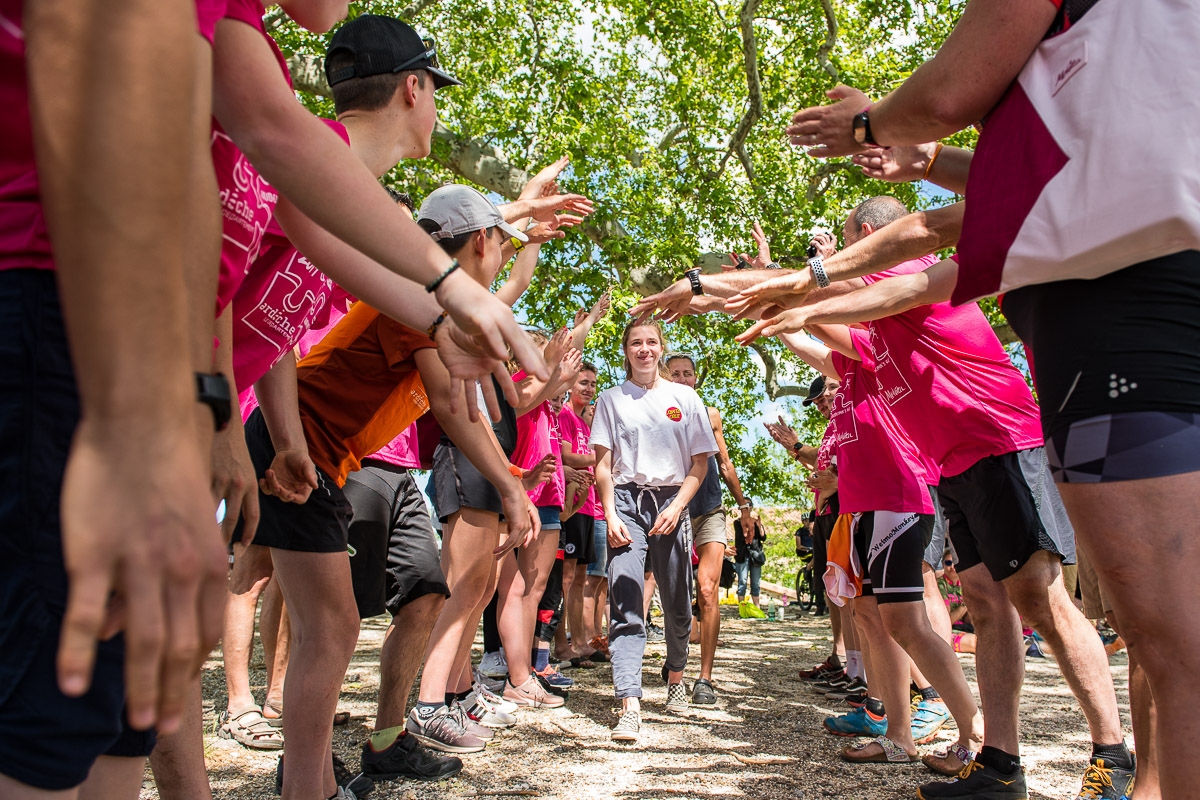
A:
x: 930, y: 693
x: 382, y: 740
x: 426, y: 710
x: 541, y: 659
x: 854, y: 663
x: 1116, y: 755
x: 875, y: 706
x: 1002, y: 762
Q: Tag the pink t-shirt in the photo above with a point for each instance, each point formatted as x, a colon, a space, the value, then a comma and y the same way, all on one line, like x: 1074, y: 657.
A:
x: 247, y: 200
x: 24, y: 241
x: 950, y: 383
x: 878, y: 468
x: 537, y: 435
x: 576, y: 435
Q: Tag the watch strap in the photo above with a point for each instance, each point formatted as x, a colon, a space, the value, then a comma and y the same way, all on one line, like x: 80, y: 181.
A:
x: 693, y: 276
x: 816, y: 265
x: 213, y: 391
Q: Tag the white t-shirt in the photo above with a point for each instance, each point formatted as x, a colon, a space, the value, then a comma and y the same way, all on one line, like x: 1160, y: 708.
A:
x: 652, y: 434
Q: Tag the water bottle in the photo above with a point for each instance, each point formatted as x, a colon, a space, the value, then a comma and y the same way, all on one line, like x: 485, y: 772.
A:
x: 779, y: 616
x: 771, y: 612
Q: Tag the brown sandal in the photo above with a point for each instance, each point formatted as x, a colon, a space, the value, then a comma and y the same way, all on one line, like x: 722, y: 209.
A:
x: 890, y: 753
x: 950, y: 761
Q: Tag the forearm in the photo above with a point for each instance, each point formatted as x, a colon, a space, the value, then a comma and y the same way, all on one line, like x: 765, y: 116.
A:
x: 578, y: 460
x: 877, y: 301
x: 605, y: 491
x: 727, y: 284
x: 277, y: 397
x: 811, y: 352
x: 116, y: 196
x: 806, y: 455
x: 730, y: 477
x: 967, y: 77
x: 951, y: 168
x: 913, y: 236
x: 691, y: 483
x: 393, y: 295
x: 520, y: 276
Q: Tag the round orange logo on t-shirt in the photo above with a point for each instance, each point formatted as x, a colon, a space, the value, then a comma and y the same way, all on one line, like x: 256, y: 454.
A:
x: 674, y: 414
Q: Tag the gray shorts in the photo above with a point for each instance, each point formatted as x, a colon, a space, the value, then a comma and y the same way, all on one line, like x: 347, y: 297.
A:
x: 937, y: 544
x: 458, y: 485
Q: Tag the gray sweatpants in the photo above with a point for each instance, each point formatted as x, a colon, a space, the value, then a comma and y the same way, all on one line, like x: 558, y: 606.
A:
x: 671, y: 564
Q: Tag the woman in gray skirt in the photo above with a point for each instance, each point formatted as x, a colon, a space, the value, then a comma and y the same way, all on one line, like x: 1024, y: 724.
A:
x: 652, y: 440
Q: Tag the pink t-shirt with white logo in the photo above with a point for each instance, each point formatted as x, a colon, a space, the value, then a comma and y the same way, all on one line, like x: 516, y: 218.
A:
x: 537, y: 435
x: 576, y: 435
x: 247, y: 200
x: 878, y: 468
x: 949, y: 382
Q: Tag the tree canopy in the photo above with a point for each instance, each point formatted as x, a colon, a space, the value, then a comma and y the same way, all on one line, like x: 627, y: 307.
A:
x: 673, y: 114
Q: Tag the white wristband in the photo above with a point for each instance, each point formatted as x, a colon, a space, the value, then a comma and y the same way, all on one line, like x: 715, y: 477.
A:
x: 818, y: 271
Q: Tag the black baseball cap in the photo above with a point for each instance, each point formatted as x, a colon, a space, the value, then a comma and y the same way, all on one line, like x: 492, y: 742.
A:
x: 381, y: 45
x: 815, y: 390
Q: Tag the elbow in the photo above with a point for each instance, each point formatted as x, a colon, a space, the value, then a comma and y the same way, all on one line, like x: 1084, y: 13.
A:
x: 317, y: 16
x: 952, y: 111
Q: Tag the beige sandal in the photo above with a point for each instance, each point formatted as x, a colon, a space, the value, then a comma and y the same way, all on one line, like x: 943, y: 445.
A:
x: 949, y: 761
x: 890, y: 753
x: 250, y: 728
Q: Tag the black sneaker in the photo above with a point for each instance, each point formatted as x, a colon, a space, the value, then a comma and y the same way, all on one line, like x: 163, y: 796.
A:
x: 1104, y: 782
x: 978, y: 782
x: 409, y: 760
x: 359, y: 785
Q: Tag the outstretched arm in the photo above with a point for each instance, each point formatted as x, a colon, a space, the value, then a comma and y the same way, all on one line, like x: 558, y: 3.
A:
x: 811, y: 352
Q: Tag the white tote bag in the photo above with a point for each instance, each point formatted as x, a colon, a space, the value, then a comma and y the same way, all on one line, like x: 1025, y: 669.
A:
x: 1091, y: 161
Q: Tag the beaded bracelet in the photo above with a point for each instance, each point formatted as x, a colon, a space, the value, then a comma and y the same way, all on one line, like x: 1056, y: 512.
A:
x: 436, y: 282
x: 431, y: 331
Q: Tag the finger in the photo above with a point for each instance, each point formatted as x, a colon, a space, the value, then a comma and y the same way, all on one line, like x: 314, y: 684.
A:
x: 839, y: 92
x: 114, y: 617
x: 527, y: 354
x: 506, y: 384
x: 145, y: 635
x: 182, y: 642
x: 753, y: 332
x: 233, y: 509
x: 310, y: 475
x: 86, y: 595
x: 250, y: 515
x: 489, y: 399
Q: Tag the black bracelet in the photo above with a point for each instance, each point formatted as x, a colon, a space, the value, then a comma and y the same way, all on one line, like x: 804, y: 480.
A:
x: 437, y: 323
x: 436, y: 282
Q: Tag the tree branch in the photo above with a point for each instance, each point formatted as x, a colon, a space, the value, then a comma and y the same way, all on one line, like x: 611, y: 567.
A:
x: 831, y: 31
x: 753, y: 91
x: 770, y: 381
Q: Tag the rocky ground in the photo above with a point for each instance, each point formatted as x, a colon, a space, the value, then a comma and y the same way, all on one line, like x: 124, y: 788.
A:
x: 763, y: 739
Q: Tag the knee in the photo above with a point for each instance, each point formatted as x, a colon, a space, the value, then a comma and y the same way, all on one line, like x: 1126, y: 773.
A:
x: 708, y: 595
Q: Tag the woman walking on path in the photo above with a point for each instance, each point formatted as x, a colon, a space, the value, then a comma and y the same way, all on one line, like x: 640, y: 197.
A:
x: 652, y: 440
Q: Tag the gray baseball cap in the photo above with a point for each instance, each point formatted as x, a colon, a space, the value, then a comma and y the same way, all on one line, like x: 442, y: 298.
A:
x: 459, y: 209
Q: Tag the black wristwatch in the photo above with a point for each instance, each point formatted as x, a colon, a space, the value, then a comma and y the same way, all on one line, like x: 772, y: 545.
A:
x: 213, y: 391
x: 796, y: 446
x: 862, y: 130
x: 693, y: 276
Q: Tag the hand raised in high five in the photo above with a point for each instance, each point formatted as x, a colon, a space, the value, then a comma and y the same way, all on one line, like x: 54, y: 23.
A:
x: 557, y: 347
x: 786, y: 290
x: 782, y: 433
x: 828, y: 131
x: 790, y: 321
x: 670, y: 304
x: 545, y: 182
x: 896, y: 164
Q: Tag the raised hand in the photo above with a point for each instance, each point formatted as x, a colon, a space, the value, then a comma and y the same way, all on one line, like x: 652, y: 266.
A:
x: 490, y: 322
x: 825, y: 243
x: 540, y: 473
x: 782, y: 433
x: 470, y: 367
x: 550, y: 206
x: 828, y: 131
x: 571, y: 363
x: 556, y: 348
x: 896, y: 164
x: 670, y: 304
x: 546, y: 231
x: 545, y: 182
x: 783, y: 291
x: 791, y: 321
x: 291, y: 476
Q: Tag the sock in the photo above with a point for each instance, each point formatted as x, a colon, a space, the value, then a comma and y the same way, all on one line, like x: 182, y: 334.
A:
x: 450, y: 698
x: 382, y: 740
x: 541, y: 659
x: 930, y: 693
x: 1114, y: 755
x: 875, y: 706
x: 1002, y: 762
x: 426, y: 710
x: 854, y: 663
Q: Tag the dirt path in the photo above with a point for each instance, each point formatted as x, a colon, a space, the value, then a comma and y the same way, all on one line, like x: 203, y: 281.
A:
x: 764, y: 714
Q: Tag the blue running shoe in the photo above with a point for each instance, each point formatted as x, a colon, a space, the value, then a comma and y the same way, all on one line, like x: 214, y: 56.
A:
x: 555, y: 678
x: 858, y: 722
x: 928, y: 717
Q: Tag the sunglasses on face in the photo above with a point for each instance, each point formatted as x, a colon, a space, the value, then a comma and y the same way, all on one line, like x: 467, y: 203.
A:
x: 429, y: 57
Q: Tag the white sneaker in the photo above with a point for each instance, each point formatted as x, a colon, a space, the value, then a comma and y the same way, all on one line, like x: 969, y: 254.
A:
x: 482, y: 711
x: 494, y: 665
x: 494, y: 700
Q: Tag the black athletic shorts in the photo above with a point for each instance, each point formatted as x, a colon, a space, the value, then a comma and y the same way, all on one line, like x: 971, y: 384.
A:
x: 319, y: 525
x: 577, y: 540
x: 394, y: 555
x: 1004, y: 509
x: 1116, y: 361
x: 891, y: 547
x: 47, y: 740
x: 459, y: 485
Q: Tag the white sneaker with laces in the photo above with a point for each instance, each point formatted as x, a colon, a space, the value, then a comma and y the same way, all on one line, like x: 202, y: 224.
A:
x: 485, y: 713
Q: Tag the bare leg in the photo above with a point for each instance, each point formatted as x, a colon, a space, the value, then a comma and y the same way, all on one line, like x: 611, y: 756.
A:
x: 1038, y: 594
x: 562, y: 650
x: 249, y: 577
x: 1000, y: 658
x: 935, y: 606
x: 468, y: 539
x: 1144, y: 712
x: 320, y: 601
x: 112, y: 778
x: 462, y: 662
x: 908, y: 624
x: 178, y: 759
x: 601, y: 600
x: 275, y: 630
x: 836, y: 626
x: 401, y: 657
x: 575, y: 579
x: 1144, y: 576
x: 889, y: 673
x: 517, y: 610
x: 14, y: 790
x: 708, y: 576
x: 648, y: 589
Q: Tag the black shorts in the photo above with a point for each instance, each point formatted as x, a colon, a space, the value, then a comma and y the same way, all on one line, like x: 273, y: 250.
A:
x: 1004, y: 509
x: 47, y: 740
x: 891, y: 547
x: 578, y: 540
x: 1117, y: 366
x: 459, y: 485
x: 319, y: 525
x: 394, y: 555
